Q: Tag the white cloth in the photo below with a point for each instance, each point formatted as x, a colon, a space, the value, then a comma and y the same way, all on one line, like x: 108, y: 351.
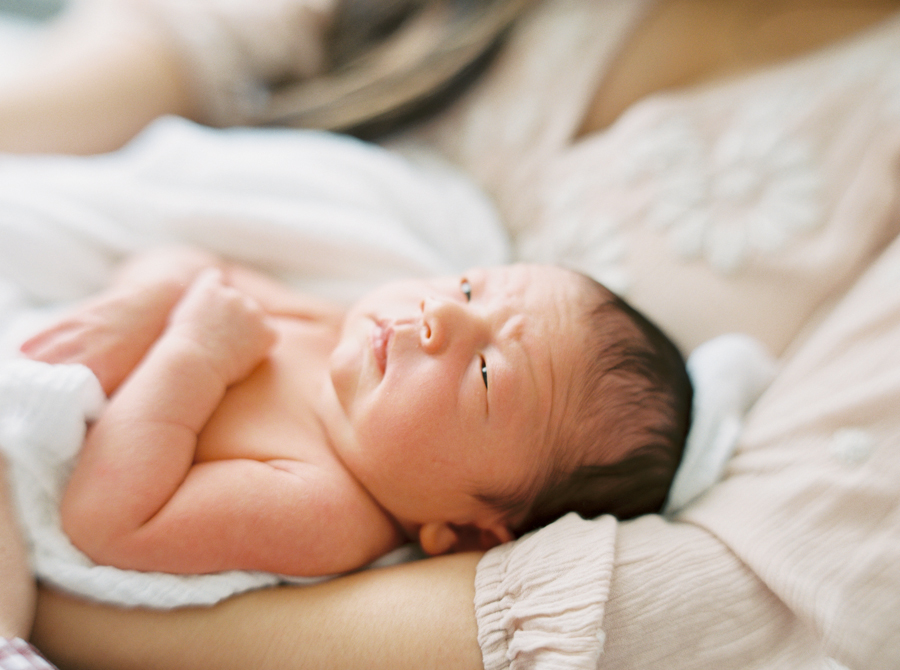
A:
x: 328, y: 214
x: 728, y: 374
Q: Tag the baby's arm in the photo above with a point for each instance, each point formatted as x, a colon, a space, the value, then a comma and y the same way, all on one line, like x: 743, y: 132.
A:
x: 137, y: 500
x: 112, y: 331
x: 137, y: 454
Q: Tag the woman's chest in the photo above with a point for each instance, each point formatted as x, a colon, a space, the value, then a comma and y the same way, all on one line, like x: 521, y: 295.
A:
x: 697, y: 204
x: 273, y: 413
x: 683, y: 43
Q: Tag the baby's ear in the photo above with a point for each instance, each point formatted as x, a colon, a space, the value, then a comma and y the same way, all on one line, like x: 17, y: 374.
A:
x: 443, y: 538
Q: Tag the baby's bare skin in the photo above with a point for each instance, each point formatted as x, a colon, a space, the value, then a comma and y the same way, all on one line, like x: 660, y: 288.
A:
x: 233, y: 432
x: 253, y: 428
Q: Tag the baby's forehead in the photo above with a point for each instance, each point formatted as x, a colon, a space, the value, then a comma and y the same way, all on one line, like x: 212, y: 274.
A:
x: 530, y: 283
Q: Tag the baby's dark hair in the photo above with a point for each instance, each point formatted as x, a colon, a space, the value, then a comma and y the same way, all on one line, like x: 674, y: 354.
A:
x: 633, y: 396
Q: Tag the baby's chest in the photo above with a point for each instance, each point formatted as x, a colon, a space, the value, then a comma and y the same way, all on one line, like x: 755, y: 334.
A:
x: 272, y: 413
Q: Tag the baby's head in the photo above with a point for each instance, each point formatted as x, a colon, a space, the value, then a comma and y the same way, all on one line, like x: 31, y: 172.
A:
x: 625, y: 427
x: 479, y: 407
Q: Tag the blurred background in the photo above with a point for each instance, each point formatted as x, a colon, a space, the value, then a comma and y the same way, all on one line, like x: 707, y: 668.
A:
x: 30, y: 9
x: 20, y: 21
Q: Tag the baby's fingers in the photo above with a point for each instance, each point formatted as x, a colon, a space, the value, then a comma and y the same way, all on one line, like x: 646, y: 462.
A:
x: 228, y: 324
x: 61, y: 343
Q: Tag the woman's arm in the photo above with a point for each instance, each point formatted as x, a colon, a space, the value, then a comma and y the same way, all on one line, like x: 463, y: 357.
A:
x: 17, y: 589
x: 417, y: 616
x: 101, y: 75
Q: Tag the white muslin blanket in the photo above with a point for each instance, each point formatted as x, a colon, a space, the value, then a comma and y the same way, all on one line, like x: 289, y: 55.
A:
x: 328, y: 214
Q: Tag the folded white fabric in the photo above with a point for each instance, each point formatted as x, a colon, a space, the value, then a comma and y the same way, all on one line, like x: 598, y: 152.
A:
x: 728, y: 373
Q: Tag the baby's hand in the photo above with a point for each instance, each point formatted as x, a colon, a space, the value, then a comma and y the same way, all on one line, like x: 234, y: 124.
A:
x: 109, y: 334
x: 226, y: 325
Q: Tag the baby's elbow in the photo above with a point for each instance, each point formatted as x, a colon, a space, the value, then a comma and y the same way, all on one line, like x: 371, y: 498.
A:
x: 87, y: 533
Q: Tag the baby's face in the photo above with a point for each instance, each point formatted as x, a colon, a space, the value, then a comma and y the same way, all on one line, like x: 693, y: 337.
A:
x: 456, y: 385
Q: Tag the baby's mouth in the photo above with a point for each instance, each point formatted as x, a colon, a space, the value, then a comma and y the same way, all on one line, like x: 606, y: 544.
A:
x: 381, y: 338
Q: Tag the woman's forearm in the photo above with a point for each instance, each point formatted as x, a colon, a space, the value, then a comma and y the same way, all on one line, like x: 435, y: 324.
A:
x: 418, y: 616
x: 102, y: 76
x: 17, y: 589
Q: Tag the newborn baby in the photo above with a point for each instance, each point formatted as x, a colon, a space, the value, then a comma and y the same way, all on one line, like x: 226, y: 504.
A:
x: 253, y: 428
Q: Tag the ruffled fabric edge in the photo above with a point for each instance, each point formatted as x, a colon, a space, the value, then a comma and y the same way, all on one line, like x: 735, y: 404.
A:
x: 539, y: 602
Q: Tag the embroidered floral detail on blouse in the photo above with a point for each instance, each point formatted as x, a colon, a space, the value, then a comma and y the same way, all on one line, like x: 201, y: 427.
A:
x: 753, y: 188
x: 727, y: 176
x: 584, y: 238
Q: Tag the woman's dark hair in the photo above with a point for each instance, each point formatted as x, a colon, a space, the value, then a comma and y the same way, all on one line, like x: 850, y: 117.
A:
x: 394, y: 62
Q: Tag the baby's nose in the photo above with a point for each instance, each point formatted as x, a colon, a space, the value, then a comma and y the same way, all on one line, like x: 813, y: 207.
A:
x: 442, y: 322
x: 431, y: 332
